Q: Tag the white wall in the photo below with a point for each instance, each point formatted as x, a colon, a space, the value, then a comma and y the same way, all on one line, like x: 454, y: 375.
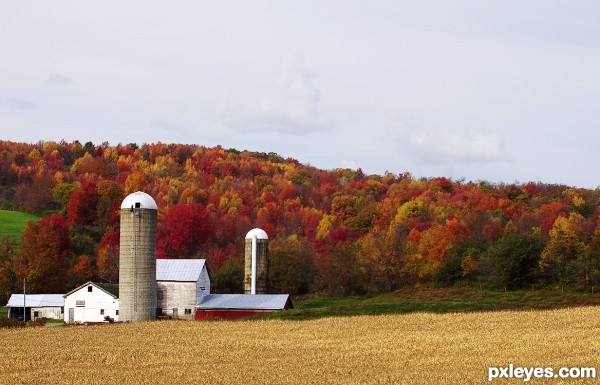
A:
x: 203, y: 285
x: 47, y: 312
x: 179, y: 295
x: 91, y: 305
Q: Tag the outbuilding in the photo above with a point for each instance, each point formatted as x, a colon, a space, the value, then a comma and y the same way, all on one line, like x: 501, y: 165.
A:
x: 181, y: 284
x: 233, y: 306
x: 36, y: 306
x: 91, y: 303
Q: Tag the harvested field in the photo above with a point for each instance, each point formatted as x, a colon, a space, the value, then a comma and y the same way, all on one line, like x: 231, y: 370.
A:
x: 391, y: 349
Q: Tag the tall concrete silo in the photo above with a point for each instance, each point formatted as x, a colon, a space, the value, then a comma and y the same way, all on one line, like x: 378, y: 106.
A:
x: 257, y: 262
x: 137, y: 258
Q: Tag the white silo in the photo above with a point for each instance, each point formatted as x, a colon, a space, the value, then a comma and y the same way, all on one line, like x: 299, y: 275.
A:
x: 137, y: 258
x: 257, y: 262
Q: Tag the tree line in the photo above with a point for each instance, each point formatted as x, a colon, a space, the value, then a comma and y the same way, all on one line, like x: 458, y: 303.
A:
x: 334, y: 231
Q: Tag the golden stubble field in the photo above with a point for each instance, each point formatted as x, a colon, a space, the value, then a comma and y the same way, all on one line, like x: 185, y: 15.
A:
x: 395, y: 349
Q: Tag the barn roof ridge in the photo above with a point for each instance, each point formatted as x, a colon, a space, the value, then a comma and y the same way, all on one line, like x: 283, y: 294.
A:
x: 93, y: 284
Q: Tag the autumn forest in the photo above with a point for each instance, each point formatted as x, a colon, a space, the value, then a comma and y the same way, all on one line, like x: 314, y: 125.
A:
x: 338, y: 232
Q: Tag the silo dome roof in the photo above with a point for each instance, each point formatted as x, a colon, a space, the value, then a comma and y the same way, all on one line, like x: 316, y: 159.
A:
x: 139, y: 199
x: 260, y: 234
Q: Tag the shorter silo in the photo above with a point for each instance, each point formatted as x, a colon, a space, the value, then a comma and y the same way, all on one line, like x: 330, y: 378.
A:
x: 256, y: 262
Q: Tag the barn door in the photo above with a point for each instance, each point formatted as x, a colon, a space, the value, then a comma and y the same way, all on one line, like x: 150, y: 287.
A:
x: 71, y: 315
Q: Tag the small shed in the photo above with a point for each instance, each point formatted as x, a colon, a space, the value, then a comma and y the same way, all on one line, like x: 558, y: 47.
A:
x: 91, y: 303
x: 233, y: 306
x: 36, y: 306
x: 180, y: 285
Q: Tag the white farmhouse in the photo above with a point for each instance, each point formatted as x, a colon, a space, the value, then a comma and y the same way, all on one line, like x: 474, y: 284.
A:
x: 181, y: 284
x: 90, y: 303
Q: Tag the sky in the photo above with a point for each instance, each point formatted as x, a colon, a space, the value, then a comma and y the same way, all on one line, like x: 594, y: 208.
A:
x: 502, y: 91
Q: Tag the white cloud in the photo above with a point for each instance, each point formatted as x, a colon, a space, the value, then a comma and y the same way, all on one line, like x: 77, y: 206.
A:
x: 445, y: 147
x: 21, y: 104
x: 59, y: 79
x: 346, y: 163
x: 168, y: 125
x: 294, y: 108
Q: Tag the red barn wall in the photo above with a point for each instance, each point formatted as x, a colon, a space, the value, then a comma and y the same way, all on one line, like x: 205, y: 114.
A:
x: 228, y: 314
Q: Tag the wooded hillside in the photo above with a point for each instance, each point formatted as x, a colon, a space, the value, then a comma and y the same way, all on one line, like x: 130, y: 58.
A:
x: 337, y: 231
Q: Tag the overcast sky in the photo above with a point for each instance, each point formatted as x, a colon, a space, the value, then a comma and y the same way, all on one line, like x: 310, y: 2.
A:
x: 503, y: 91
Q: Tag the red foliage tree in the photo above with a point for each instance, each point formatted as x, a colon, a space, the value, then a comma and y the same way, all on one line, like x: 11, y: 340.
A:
x: 107, y: 258
x: 183, y: 231
x: 82, y: 271
x: 81, y: 208
x: 45, y: 256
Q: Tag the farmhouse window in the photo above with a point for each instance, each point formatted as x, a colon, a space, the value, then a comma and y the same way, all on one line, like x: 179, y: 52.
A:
x: 117, y: 313
x: 80, y: 303
x: 101, y: 311
x: 188, y: 311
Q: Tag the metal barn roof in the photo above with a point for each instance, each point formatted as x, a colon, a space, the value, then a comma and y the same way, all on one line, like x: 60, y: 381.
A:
x: 182, y: 270
x: 244, y: 301
x: 36, y: 300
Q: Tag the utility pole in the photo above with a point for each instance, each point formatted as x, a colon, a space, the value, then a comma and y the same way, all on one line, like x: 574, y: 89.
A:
x: 24, y: 303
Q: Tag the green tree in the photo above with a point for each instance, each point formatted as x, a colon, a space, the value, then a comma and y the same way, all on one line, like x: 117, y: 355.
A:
x: 230, y: 277
x: 589, y: 264
x: 514, y: 259
x: 62, y: 192
x: 8, y: 276
x: 291, y: 265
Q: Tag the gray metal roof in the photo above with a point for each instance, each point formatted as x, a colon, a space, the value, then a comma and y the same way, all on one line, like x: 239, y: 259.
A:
x: 182, y: 270
x: 36, y: 300
x: 244, y: 301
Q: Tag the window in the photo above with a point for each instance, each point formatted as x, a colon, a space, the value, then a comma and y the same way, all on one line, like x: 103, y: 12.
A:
x: 202, y: 288
x: 117, y: 313
x: 101, y: 311
x: 80, y: 303
x: 62, y: 310
x: 188, y: 311
x: 90, y: 289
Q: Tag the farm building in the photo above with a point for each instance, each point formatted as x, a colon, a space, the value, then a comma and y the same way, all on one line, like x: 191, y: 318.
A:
x: 91, y: 302
x: 181, y: 284
x: 36, y: 306
x: 232, y: 306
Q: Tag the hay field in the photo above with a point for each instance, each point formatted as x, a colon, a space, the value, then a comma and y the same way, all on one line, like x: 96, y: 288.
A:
x: 392, y: 349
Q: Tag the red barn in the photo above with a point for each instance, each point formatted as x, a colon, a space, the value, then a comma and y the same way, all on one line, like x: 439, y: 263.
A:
x: 233, y: 306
